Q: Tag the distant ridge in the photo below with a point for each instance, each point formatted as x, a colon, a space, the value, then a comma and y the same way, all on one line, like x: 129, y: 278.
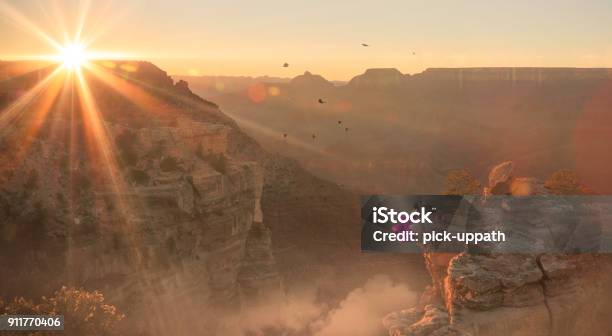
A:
x: 515, y: 73
x: 384, y: 78
x: 377, y: 77
x: 386, y: 74
x: 389, y: 77
x: 267, y: 79
x: 310, y: 81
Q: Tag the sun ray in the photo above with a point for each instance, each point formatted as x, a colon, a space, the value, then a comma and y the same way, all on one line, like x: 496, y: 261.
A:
x: 82, y: 16
x: 128, y: 209
x: 107, y: 19
x: 100, y: 145
x: 25, y: 24
x: 9, y: 114
x: 72, y: 56
x: 137, y: 95
x: 271, y: 133
x: 94, y: 124
x: 150, y: 103
x: 72, y: 98
x: 59, y: 19
x: 22, y: 69
x: 166, y: 93
x: 21, y: 123
x: 73, y: 53
x: 41, y: 108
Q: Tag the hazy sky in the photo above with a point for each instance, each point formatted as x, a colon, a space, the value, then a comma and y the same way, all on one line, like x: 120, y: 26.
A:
x: 255, y: 37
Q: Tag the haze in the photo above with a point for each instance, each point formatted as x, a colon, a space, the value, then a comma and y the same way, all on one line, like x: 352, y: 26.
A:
x: 255, y: 38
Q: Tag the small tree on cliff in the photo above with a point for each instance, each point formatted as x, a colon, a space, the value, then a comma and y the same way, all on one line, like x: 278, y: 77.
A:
x: 461, y: 182
x: 565, y: 182
x: 85, y: 313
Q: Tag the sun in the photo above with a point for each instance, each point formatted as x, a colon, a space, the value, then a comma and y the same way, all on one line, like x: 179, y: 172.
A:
x: 73, y: 56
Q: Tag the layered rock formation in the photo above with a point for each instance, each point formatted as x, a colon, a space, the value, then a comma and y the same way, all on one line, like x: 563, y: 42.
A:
x: 151, y: 213
x: 188, y: 210
x: 489, y: 293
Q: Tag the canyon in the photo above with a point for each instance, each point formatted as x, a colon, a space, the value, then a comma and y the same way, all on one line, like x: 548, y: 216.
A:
x: 171, y: 208
x: 388, y: 132
x: 157, y: 199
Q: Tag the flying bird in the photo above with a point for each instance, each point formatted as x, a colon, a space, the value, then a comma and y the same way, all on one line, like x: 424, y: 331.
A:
x: 321, y: 101
x: 285, y: 65
x: 365, y: 45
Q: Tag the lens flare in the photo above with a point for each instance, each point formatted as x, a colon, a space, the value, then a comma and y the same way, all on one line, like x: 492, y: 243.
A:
x: 73, y: 56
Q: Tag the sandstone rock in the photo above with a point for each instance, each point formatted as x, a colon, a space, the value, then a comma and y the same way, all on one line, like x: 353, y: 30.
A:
x: 555, y: 266
x: 527, y: 295
x: 258, y: 278
x: 500, y: 178
x: 490, y: 293
x: 435, y: 318
x: 413, y: 322
x: 431, y: 295
x: 437, y: 265
x: 432, y: 321
x: 484, y: 282
x: 507, y: 321
x: 399, y: 321
x: 559, y: 271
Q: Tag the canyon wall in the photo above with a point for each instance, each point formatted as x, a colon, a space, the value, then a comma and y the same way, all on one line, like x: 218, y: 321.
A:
x: 156, y: 216
x: 486, y: 293
x: 177, y: 220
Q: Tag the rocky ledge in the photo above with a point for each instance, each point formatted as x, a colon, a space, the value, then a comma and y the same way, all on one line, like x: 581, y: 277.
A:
x: 509, y: 294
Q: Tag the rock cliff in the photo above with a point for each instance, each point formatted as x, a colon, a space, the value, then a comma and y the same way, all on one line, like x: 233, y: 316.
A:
x: 154, y: 211
x: 488, y: 293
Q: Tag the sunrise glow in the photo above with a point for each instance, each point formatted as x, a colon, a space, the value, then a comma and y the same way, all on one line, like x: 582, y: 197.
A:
x: 73, y: 56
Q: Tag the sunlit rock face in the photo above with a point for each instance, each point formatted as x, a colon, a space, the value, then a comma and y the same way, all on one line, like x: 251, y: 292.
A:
x: 485, y: 292
x: 181, y: 214
x: 152, y: 212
